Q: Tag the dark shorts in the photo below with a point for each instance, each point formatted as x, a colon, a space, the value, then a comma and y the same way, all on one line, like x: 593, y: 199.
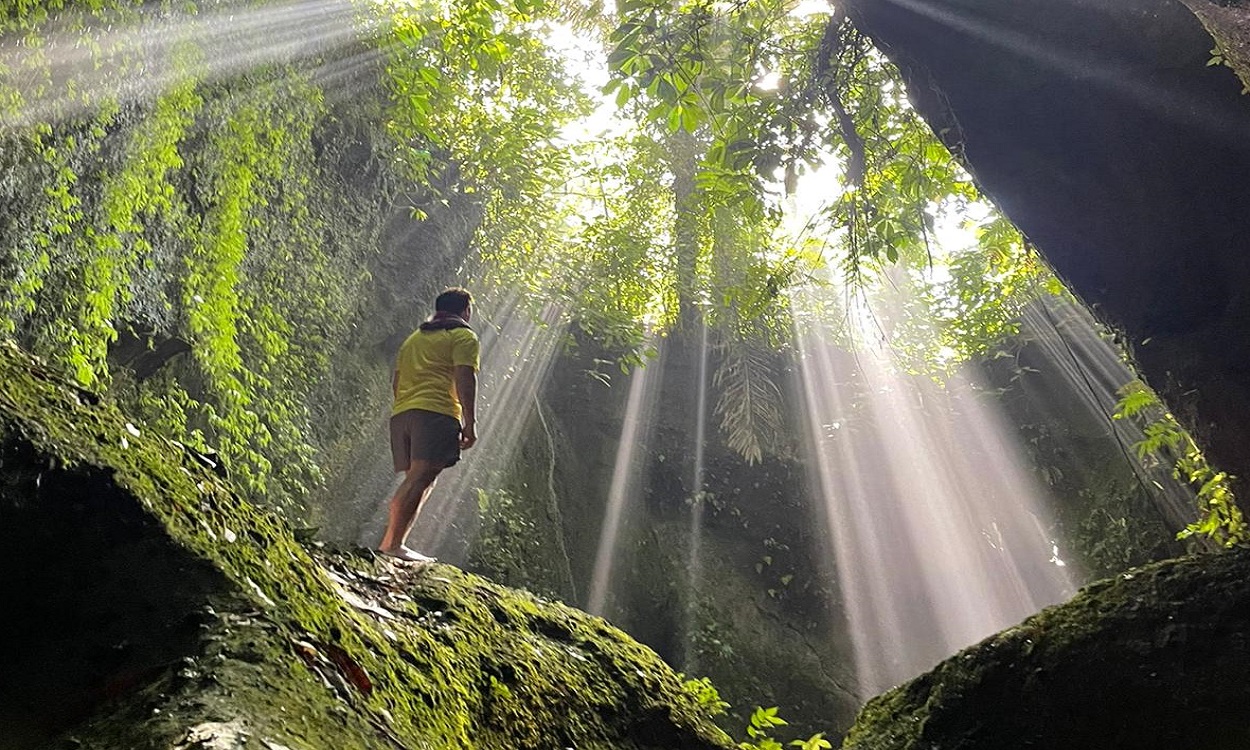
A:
x: 422, y: 435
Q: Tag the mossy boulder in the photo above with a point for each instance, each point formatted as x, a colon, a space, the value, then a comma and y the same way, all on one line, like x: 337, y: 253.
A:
x: 147, y: 606
x: 1153, y: 658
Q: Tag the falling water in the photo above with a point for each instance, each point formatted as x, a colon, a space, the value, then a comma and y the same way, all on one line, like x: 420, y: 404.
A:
x: 938, y: 530
x: 622, y: 492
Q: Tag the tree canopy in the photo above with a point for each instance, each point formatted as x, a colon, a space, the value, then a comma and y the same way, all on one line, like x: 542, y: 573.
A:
x: 184, y: 175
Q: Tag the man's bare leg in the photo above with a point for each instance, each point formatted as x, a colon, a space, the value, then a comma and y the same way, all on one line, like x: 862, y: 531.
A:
x: 404, y: 508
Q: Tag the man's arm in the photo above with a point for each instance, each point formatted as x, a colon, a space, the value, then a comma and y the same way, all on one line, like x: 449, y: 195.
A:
x: 466, y: 391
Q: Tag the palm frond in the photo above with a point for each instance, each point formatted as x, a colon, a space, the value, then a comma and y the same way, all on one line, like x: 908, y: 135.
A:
x: 749, y: 406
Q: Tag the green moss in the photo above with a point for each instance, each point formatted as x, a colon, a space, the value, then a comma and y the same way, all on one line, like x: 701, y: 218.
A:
x: 261, y: 214
x: 1150, y: 659
x: 452, y: 660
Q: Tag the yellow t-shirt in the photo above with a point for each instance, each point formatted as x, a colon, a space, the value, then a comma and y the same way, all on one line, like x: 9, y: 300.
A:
x: 425, y: 369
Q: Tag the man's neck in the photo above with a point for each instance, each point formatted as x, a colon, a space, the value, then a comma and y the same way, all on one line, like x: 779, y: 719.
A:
x: 444, y: 321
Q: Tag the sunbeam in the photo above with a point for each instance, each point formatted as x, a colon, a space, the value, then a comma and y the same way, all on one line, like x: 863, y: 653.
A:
x: 694, y: 572
x: 1095, y: 371
x: 622, y: 492
x: 110, y: 64
x: 938, y: 533
x: 517, y: 355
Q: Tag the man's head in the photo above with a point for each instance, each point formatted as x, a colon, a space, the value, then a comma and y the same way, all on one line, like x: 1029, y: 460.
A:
x: 454, y: 301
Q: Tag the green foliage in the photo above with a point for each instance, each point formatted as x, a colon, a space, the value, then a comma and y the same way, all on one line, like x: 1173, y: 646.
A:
x: 458, y: 663
x: 764, y: 721
x: 704, y: 694
x: 971, y: 307
x: 598, y: 253
x: 690, y: 234
x: 989, y: 288
x: 509, y: 540
x: 935, y: 318
x: 208, y: 208
x: 148, y: 222
x: 896, y: 173
x: 475, y: 91
x: 759, y: 80
x: 749, y: 402
x: 1218, y: 515
x: 221, y: 210
x: 764, y: 95
x: 1117, y: 533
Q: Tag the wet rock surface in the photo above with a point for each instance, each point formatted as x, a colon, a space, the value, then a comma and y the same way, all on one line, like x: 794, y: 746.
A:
x: 147, y: 606
x: 1154, y: 658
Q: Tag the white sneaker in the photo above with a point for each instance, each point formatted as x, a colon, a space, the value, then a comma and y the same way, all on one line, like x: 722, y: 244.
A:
x: 408, y: 555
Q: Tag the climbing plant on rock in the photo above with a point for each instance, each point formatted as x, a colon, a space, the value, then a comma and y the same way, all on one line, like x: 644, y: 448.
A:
x: 181, y: 186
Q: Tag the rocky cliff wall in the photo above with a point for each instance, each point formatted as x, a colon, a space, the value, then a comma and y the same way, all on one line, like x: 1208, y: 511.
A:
x: 1105, y: 136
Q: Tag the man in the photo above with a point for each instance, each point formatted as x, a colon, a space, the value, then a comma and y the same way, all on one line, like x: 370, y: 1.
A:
x: 435, y: 386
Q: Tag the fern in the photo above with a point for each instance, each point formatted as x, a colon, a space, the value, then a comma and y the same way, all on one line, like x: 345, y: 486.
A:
x: 1135, y: 398
x: 749, y: 405
x: 1219, y: 517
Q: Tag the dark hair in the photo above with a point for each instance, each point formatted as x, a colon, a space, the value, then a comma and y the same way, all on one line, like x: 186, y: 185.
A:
x: 453, y: 300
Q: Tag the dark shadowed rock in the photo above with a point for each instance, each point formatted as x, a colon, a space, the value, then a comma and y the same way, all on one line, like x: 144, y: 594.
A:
x: 1102, y: 132
x: 1154, y: 658
x: 146, y: 606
